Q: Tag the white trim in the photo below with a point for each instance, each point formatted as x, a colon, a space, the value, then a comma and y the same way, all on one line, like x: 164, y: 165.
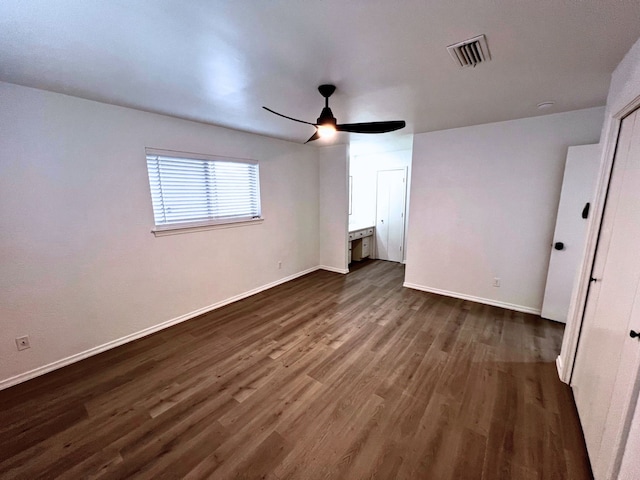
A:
x: 578, y: 304
x: 463, y: 296
x: 578, y: 301
x: 36, y: 372
x: 334, y: 269
x: 180, y: 228
x: 196, y: 156
x: 559, y: 366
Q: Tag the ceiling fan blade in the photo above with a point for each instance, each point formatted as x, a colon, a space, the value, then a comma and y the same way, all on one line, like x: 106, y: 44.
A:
x: 372, y: 127
x: 290, y: 118
x: 313, y: 137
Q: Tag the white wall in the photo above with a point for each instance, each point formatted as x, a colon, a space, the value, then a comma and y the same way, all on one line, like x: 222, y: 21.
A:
x: 483, y: 205
x: 334, y: 207
x: 79, y: 267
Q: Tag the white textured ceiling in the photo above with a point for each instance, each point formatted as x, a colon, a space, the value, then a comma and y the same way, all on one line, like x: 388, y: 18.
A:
x: 219, y: 61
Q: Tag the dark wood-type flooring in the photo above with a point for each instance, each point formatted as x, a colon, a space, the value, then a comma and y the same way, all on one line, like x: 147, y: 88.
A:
x: 324, y: 377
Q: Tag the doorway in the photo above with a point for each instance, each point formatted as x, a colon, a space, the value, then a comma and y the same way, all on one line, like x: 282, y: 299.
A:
x: 380, y: 182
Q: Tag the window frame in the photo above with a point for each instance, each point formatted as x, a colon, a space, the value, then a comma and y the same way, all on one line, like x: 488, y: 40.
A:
x: 200, y: 225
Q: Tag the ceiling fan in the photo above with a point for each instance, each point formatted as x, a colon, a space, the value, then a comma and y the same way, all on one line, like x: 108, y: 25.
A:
x: 327, y: 125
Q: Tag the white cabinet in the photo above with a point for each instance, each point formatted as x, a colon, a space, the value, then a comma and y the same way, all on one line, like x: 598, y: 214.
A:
x: 366, y: 248
x: 360, y: 243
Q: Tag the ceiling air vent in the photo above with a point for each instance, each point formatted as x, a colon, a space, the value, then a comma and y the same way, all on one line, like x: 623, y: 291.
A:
x: 470, y: 52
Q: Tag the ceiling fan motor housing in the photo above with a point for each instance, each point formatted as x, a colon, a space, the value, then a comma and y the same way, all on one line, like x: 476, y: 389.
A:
x: 326, y: 117
x: 326, y: 90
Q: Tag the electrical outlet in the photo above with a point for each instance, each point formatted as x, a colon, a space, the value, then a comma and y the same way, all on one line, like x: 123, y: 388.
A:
x: 496, y: 282
x: 23, y: 342
x: 279, y: 265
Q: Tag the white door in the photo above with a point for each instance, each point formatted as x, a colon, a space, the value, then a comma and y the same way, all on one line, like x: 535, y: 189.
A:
x: 390, y: 203
x: 578, y: 186
x: 608, y: 358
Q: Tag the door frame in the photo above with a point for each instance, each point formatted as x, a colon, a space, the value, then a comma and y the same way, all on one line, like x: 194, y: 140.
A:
x: 566, y: 359
x: 405, y: 170
x: 571, y: 341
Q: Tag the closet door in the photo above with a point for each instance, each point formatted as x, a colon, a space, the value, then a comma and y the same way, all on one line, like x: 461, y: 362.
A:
x: 608, y: 357
x: 391, y: 193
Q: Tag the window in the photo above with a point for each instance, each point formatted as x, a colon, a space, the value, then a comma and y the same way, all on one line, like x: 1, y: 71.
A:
x: 191, y: 190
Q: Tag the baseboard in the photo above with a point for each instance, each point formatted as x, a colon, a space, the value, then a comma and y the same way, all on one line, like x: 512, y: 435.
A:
x: 462, y: 296
x: 36, y: 372
x: 334, y: 269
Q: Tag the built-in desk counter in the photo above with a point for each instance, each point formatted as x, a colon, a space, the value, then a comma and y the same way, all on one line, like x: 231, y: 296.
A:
x: 360, y: 242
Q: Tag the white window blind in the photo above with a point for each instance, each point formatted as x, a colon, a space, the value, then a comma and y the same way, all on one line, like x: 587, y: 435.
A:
x: 194, y: 190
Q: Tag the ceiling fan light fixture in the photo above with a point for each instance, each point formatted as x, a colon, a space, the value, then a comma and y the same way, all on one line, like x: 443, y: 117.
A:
x: 326, y: 125
x: 327, y: 130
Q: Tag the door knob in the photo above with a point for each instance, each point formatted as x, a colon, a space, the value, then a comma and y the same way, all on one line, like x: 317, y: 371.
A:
x: 558, y: 246
x: 634, y: 334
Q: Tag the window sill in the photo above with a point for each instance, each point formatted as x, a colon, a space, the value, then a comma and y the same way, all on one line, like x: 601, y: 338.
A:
x: 179, y: 229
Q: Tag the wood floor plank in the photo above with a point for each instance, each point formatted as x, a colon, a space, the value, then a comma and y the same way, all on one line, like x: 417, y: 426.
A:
x: 325, y: 377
